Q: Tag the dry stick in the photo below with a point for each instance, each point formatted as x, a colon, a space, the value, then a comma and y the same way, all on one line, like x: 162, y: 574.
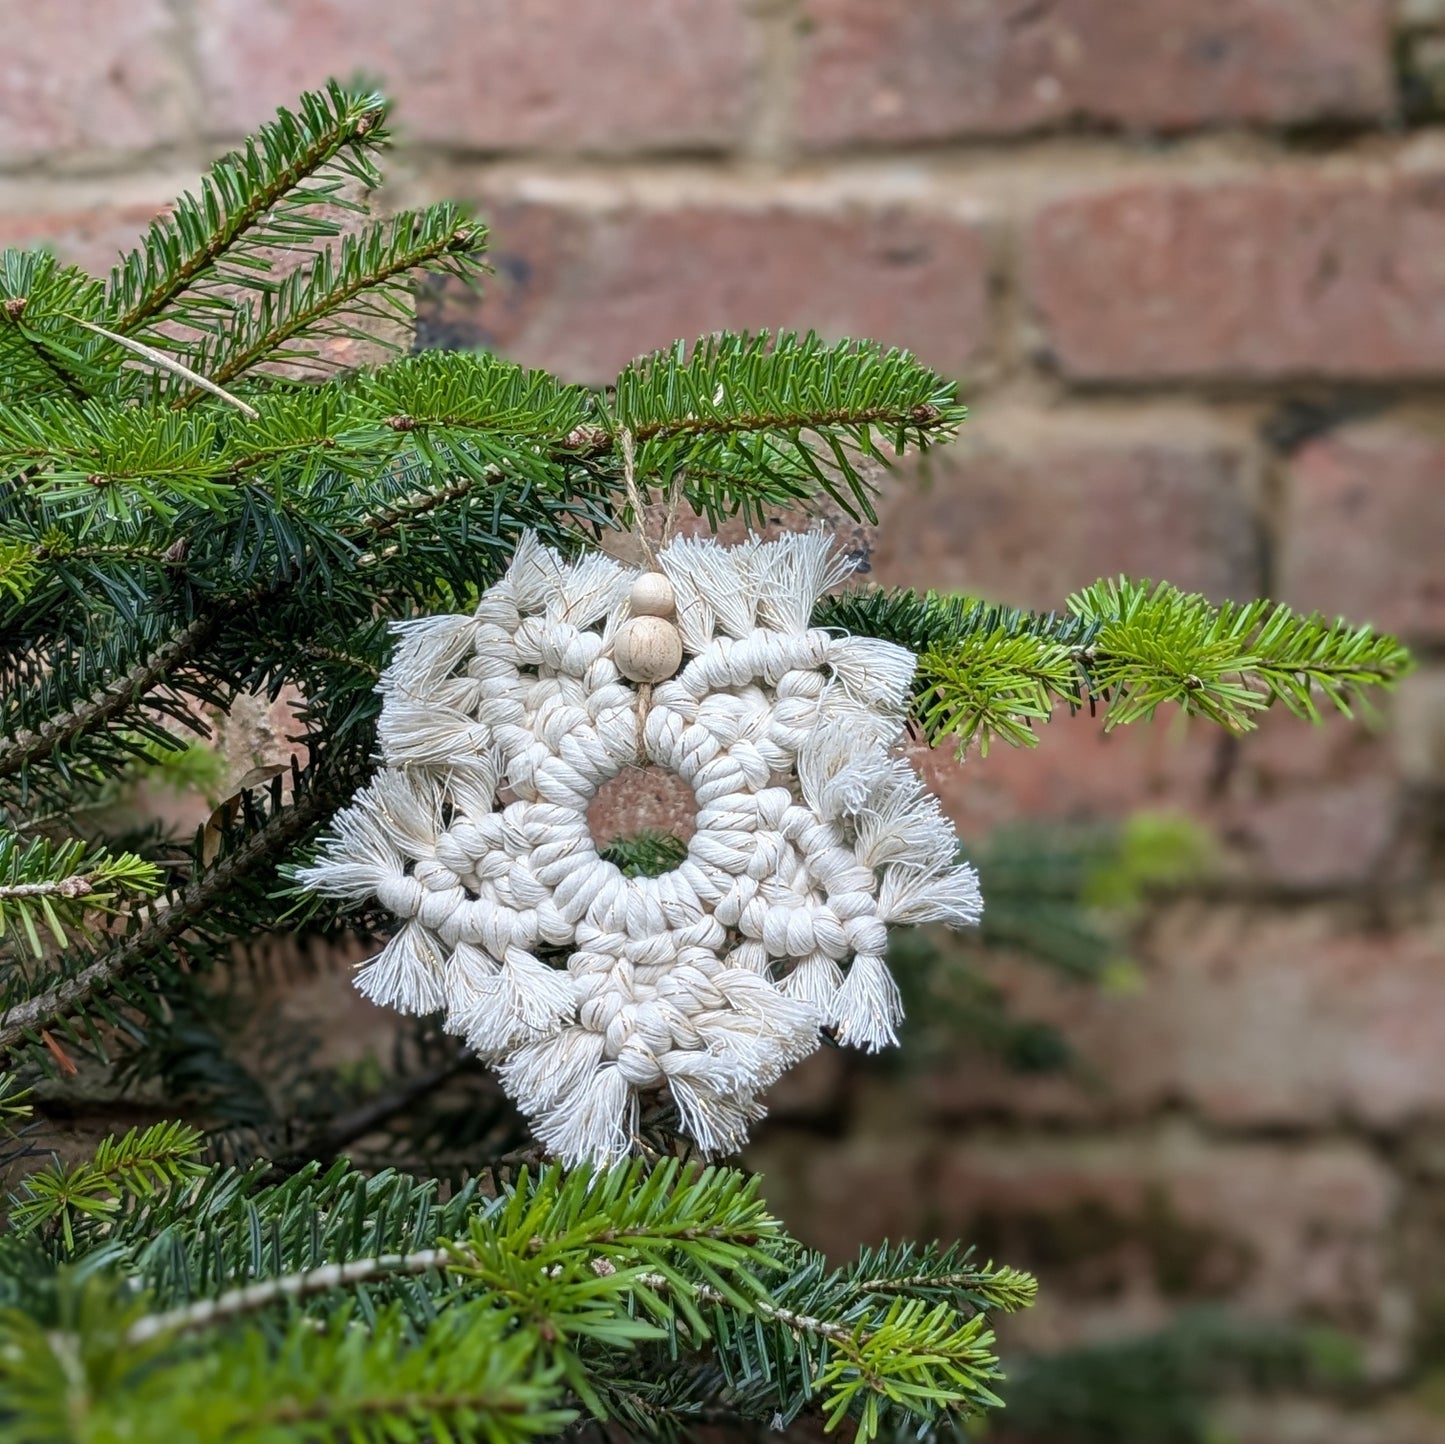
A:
x: 168, y: 363
x: 250, y: 1298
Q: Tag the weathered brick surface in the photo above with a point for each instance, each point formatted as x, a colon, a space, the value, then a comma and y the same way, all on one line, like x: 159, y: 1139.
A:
x: 867, y: 1187
x: 93, y: 239
x: 642, y: 799
x: 1061, y: 264
x: 1300, y: 1018
x: 1121, y: 1229
x: 1287, y: 274
x: 1305, y: 807
x: 1419, y: 730
x: 609, y: 287
x: 1029, y: 527
x: 1250, y: 1020
x: 1245, y: 1420
x: 1363, y: 529
x: 531, y: 250
x: 935, y: 69
x: 672, y: 75
x: 81, y: 79
x: 1076, y: 772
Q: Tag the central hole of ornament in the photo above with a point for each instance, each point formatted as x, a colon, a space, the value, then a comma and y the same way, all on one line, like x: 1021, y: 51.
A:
x: 642, y: 820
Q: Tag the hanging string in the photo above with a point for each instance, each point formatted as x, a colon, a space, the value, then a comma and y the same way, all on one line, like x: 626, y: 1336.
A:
x: 672, y: 503
x: 634, y: 496
x: 639, y: 521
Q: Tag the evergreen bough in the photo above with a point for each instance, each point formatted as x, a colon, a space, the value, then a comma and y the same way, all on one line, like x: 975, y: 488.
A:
x: 183, y: 520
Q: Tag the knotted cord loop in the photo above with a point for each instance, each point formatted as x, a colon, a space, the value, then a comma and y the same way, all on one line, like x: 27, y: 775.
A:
x: 585, y: 987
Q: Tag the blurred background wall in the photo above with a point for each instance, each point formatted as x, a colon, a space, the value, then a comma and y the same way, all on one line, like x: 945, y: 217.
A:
x: 1188, y: 259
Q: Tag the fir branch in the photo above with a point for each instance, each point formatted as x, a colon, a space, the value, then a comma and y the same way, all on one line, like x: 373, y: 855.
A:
x: 138, y: 1164
x: 36, y: 293
x: 1157, y: 644
x: 365, y: 266
x: 59, y: 548
x: 77, y: 885
x: 237, y: 195
x: 108, y: 701
x: 466, y: 1374
x: 581, y: 1253
x: 47, y: 350
x: 58, y: 885
x: 19, y: 568
x: 907, y: 1269
x: 308, y: 1283
x: 648, y: 854
x: 397, y: 515
x: 745, y: 421
x: 986, y: 671
x: 69, y: 990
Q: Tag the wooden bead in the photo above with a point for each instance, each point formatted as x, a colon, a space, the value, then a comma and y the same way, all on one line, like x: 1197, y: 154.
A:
x: 647, y: 649
x: 651, y: 596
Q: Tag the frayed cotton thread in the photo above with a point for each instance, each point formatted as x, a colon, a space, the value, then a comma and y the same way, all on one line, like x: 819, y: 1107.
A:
x: 497, y: 731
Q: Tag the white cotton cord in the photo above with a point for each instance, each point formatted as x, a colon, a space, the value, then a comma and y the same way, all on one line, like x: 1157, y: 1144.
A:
x: 867, y: 1009
x: 589, y: 990
x: 912, y: 894
x: 872, y: 672
x: 596, y: 1120
x: 796, y: 570
x: 407, y: 973
x: 428, y: 650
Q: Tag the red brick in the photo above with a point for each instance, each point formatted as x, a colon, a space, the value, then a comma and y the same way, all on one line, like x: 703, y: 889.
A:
x: 847, y: 1193
x: 1248, y: 1018
x: 934, y: 69
x: 1077, y: 772
x: 605, y: 288
x: 643, y: 799
x: 1295, y: 1019
x: 1293, y: 274
x: 1340, y: 832
x: 1121, y: 1229
x: 1363, y: 528
x: 1419, y: 730
x: 1030, y: 527
x: 83, y: 79
x: 494, y: 75
x: 530, y: 249
x: 92, y: 239
x: 1310, y: 807
x: 1253, y: 1419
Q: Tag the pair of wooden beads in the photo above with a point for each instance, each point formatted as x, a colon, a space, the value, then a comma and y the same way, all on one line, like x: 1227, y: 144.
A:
x: 648, y: 646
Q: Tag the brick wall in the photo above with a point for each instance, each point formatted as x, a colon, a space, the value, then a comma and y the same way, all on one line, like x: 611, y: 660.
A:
x: 1188, y: 258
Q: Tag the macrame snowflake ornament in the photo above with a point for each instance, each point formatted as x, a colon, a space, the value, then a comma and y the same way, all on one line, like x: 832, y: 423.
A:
x: 584, y: 987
